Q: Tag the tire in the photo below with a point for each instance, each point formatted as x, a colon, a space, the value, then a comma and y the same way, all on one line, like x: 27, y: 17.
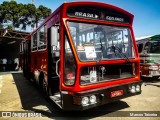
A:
x: 44, y: 88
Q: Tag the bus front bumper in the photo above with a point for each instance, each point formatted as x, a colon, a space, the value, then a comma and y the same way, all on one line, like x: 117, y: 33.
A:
x: 97, y: 97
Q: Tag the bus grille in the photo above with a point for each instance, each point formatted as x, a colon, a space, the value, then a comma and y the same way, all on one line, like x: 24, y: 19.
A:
x: 102, y: 73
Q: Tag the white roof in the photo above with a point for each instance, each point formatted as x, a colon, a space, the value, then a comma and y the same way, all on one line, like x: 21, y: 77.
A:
x: 144, y: 37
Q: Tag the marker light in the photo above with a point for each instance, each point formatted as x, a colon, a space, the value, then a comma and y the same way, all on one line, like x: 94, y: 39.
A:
x: 153, y: 67
x: 85, y: 101
x: 93, y: 99
x: 132, y: 89
x: 138, y: 88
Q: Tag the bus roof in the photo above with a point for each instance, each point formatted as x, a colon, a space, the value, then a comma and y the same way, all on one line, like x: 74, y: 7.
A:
x: 148, y: 38
x: 143, y: 37
x: 65, y: 5
x: 103, y: 6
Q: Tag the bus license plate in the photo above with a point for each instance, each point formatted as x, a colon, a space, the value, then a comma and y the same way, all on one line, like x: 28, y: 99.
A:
x: 116, y: 93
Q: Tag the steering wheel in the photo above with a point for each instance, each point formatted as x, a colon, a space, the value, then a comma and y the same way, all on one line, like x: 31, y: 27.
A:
x: 110, y: 49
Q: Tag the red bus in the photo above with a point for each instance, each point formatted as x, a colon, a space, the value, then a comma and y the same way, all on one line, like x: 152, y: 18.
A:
x: 83, y: 55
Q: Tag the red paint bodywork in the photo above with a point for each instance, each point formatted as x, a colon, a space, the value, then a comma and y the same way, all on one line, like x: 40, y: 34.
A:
x: 60, y: 15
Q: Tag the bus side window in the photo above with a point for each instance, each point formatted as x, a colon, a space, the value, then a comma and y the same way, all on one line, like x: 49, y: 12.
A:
x: 140, y: 47
x: 34, y: 41
x: 55, y: 40
x: 42, y: 38
x: 147, y: 47
x: 21, y: 49
x: 70, y: 64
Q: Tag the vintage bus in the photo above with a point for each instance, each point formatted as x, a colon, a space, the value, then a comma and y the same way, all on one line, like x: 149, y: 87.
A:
x: 149, y: 51
x: 83, y: 55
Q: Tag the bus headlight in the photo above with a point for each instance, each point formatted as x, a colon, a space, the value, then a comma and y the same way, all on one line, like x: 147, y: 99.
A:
x: 153, y: 67
x: 85, y: 101
x: 132, y: 89
x: 138, y: 88
x: 93, y: 99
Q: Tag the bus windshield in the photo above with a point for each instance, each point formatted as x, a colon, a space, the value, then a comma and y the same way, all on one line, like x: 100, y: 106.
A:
x: 99, y: 42
x: 152, y: 47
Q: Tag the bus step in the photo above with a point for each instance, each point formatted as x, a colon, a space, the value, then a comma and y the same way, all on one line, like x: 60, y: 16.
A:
x: 55, y: 77
x: 57, y: 99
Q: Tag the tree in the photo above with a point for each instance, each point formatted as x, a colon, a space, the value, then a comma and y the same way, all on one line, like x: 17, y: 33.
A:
x: 11, y: 12
x: 41, y: 13
x: 28, y: 14
x: 13, y: 15
x: 34, y: 15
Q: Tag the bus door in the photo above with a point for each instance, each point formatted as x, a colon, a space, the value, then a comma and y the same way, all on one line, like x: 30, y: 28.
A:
x: 53, y: 60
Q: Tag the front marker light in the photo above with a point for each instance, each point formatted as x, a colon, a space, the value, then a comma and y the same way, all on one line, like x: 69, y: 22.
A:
x: 153, y: 67
x: 85, y: 101
x: 138, y: 88
x: 92, y: 99
x: 132, y: 89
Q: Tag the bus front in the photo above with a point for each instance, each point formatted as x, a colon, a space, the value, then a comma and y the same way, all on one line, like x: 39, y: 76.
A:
x: 149, y: 54
x: 101, y: 62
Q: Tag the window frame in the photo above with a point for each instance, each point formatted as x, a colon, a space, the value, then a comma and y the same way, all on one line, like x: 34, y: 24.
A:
x: 131, y: 52
x: 32, y: 39
x: 39, y: 39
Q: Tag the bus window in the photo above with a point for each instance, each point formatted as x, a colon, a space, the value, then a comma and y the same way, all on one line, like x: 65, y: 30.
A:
x: 34, y: 41
x: 155, y: 47
x: 55, y: 40
x: 20, y: 48
x: 42, y: 38
x: 70, y: 65
x: 140, y: 47
x: 99, y: 41
x: 147, y: 47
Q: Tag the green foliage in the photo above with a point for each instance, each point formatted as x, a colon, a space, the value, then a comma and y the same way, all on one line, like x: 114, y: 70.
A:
x: 14, y: 15
x: 155, y: 37
x: 41, y: 13
x: 29, y: 12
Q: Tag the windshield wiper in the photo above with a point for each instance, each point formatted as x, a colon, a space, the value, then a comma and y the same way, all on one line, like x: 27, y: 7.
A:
x: 114, y: 48
x: 100, y: 58
x: 101, y: 49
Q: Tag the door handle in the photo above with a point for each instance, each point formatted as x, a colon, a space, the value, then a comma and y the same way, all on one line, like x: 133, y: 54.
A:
x: 57, y: 67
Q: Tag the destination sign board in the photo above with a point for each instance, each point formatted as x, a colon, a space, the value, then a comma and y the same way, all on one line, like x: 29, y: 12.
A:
x: 113, y: 18
x: 87, y: 15
x: 97, y: 13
